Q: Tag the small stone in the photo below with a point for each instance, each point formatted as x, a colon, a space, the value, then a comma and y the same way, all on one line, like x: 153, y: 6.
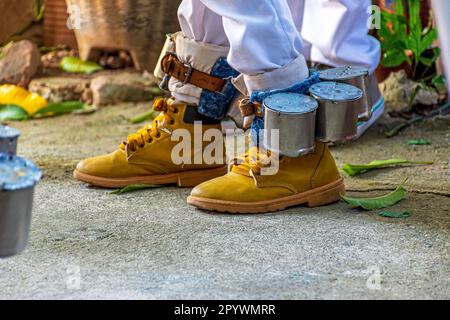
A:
x: 397, y: 90
x: 19, y: 62
x: 87, y: 96
x: 53, y: 59
x: 60, y: 89
x: 121, y: 87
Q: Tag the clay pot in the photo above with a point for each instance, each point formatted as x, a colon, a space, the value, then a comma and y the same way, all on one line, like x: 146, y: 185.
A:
x: 136, y: 26
x: 55, y: 25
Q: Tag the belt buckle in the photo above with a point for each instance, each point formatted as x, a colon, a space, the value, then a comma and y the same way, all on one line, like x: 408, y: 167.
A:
x: 188, y: 73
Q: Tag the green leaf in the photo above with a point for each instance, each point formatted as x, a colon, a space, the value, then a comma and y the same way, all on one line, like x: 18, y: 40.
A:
x: 54, y: 109
x: 440, y: 83
x: 355, y: 169
x: 419, y: 142
x: 39, y: 10
x: 76, y: 65
x: 434, y: 57
x: 12, y: 113
x: 134, y: 187
x: 394, y: 58
x: 379, y: 202
x: 389, y: 214
x: 415, y: 22
x: 399, y: 8
x: 428, y: 39
x: 150, y: 115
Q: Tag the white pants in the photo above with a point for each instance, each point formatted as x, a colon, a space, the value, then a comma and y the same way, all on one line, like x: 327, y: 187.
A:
x: 266, y: 35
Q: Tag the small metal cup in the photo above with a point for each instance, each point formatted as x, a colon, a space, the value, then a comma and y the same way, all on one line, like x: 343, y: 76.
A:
x: 8, y: 140
x: 15, y: 220
x: 358, y: 77
x: 294, y: 115
x: 18, y: 178
x: 337, y: 115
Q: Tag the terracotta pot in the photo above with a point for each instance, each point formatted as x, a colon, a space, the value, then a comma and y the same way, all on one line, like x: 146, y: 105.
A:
x: 55, y: 25
x: 136, y: 26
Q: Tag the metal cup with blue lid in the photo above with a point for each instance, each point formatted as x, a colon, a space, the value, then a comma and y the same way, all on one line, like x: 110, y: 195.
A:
x: 294, y: 115
x: 358, y: 77
x: 8, y: 140
x: 337, y: 115
x: 18, y: 178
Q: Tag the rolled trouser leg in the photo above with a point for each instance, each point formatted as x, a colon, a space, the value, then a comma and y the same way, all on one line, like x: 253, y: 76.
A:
x: 338, y: 32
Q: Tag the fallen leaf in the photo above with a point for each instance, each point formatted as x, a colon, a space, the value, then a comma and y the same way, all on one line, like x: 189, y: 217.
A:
x: 76, y: 65
x: 355, y: 169
x: 12, y: 113
x: 54, y: 109
x: 134, y: 187
x: 150, y: 115
x: 389, y: 214
x: 378, y: 202
x: 419, y: 142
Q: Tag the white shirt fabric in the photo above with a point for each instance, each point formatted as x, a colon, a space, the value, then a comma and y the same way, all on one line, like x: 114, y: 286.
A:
x: 265, y: 35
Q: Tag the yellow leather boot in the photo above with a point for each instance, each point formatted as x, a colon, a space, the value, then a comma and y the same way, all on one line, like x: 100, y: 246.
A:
x: 199, y: 79
x: 146, y: 157
x: 312, y: 179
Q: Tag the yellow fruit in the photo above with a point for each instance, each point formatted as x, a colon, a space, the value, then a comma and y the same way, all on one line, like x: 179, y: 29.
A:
x: 18, y: 96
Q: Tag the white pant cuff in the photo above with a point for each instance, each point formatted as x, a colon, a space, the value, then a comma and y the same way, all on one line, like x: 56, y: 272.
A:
x: 294, y: 72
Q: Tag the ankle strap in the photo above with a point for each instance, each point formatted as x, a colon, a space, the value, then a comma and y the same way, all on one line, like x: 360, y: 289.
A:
x: 185, y: 73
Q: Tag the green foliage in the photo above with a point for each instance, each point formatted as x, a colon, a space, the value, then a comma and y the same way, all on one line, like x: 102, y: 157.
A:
x: 12, y: 113
x: 54, y: 109
x: 419, y: 142
x: 379, y: 202
x: 76, y: 65
x: 134, y: 187
x: 355, y: 169
x: 16, y: 113
x: 400, y: 35
x: 150, y: 115
x: 389, y: 214
x: 39, y: 10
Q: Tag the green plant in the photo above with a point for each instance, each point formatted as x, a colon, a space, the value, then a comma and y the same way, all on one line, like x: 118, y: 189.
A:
x: 406, y: 40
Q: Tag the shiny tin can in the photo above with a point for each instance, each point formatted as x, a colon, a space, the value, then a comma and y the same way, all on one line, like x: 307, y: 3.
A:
x: 358, y: 77
x: 18, y: 177
x: 8, y: 140
x: 337, y: 115
x: 294, y: 115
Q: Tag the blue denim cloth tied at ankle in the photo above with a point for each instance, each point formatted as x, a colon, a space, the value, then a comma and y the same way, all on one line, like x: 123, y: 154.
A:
x: 259, y: 96
x: 215, y: 104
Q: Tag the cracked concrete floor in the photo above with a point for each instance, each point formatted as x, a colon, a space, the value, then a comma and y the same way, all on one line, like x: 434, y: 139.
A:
x: 151, y: 245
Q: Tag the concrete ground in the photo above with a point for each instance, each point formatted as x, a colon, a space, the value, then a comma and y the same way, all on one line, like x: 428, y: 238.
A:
x: 88, y: 244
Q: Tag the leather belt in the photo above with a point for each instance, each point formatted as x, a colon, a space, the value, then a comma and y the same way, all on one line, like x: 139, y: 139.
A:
x: 185, y: 73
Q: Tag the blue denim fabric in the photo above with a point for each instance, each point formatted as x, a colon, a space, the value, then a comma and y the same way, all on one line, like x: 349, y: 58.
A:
x: 215, y: 104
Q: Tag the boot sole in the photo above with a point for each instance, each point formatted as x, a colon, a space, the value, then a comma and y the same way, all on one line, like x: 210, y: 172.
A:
x: 182, y: 179
x: 313, y: 198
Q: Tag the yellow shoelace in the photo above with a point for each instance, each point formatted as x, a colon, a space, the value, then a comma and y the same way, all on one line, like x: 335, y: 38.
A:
x: 253, y: 162
x: 149, y: 133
